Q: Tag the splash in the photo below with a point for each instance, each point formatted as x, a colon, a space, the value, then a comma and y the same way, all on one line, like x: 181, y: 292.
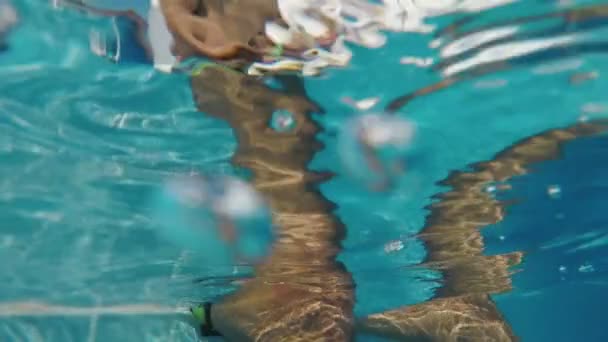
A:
x: 304, y: 37
x: 319, y: 29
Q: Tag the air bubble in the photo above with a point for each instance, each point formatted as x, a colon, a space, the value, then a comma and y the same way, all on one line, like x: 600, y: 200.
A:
x: 586, y: 268
x: 373, y: 147
x: 554, y: 191
x: 282, y: 121
x: 364, y: 104
x: 393, y: 246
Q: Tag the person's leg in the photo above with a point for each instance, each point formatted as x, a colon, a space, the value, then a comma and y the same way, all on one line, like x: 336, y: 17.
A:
x: 472, y: 317
x: 278, y: 300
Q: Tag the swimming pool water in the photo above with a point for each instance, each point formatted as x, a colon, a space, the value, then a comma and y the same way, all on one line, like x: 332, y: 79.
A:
x: 559, y: 290
x: 83, y: 143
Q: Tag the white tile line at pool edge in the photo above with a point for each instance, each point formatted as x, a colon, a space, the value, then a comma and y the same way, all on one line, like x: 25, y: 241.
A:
x: 36, y: 308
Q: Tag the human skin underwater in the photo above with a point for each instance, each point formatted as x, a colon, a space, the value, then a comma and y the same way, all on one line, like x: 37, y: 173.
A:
x: 301, y: 281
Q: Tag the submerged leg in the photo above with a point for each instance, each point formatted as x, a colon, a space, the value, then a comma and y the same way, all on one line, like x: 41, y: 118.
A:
x: 300, y: 292
x: 469, y: 318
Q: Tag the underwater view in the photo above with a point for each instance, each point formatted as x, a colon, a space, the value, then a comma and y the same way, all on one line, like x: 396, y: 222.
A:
x: 303, y: 170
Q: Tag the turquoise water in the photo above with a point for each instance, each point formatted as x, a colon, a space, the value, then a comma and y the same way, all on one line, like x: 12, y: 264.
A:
x: 564, y: 276
x: 83, y: 143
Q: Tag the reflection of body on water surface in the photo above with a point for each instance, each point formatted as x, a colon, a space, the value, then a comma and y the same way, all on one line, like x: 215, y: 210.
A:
x: 469, y: 53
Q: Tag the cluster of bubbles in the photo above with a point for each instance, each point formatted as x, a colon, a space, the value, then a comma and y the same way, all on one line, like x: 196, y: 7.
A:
x: 222, y: 219
x: 554, y: 191
x: 393, y: 246
x: 321, y: 27
x: 373, y: 147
